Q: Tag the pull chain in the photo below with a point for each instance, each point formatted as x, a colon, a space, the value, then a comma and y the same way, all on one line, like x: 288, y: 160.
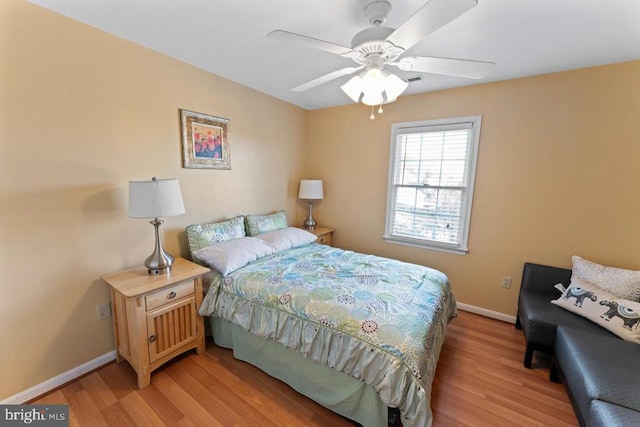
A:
x: 372, y: 116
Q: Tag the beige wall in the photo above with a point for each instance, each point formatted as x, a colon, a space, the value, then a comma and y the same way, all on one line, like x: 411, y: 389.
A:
x: 81, y: 113
x: 557, y: 175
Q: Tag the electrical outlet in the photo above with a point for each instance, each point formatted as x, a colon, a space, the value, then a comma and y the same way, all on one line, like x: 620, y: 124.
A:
x: 104, y: 310
x: 506, y: 282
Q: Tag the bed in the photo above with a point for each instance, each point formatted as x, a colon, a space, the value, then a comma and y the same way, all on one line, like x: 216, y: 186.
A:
x: 357, y: 333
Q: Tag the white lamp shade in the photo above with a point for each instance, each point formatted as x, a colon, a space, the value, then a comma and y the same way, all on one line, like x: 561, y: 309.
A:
x: 372, y: 98
x: 311, y: 189
x: 374, y: 80
x: 394, y: 86
x: 353, y: 88
x: 158, y: 198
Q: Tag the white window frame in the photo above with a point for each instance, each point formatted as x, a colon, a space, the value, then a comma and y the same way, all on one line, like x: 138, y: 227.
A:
x: 397, y: 129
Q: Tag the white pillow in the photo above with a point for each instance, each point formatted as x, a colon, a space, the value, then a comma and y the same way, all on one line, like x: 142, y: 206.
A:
x: 286, y: 238
x: 617, y: 315
x: 620, y: 282
x: 230, y: 255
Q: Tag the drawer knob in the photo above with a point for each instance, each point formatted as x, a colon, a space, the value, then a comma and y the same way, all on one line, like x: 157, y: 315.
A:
x: 152, y: 338
x: 171, y: 295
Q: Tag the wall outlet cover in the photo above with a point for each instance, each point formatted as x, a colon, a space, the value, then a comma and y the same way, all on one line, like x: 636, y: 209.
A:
x: 104, y: 310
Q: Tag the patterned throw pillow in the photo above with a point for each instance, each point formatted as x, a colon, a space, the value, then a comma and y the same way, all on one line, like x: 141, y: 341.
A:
x: 617, y: 315
x: 258, y: 224
x: 621, y: 283
x: 203, y: 235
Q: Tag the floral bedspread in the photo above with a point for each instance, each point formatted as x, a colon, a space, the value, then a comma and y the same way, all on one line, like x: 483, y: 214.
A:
x: 379, y: 320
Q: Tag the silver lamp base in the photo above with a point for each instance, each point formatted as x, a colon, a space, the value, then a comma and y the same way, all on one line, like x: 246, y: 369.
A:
x: 159, y: 262
x: 310, y: 223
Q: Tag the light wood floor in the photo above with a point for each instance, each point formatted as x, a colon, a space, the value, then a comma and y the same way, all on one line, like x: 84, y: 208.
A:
x: 480, y: 381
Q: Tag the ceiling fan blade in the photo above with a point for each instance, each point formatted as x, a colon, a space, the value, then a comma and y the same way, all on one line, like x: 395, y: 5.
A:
x: 451, y: 67
x: 326, y: 78
x: 433, y: 15
x: 308, y: 42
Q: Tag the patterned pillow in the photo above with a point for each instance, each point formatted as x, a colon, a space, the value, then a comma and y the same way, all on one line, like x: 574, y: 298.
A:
x: 621, y: 283
x: 617, y: 315
x: 258, y: 224
x: 203, y: 235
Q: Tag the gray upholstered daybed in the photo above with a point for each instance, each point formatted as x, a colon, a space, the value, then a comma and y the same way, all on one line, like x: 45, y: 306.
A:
x: 600, y: 370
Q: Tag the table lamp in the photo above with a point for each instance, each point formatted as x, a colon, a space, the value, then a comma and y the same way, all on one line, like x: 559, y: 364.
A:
x: 156, y: 199
x: 310, y: 189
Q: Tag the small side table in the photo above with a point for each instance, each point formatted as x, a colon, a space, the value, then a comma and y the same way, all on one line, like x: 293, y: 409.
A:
x: 155, y: 318
x: 325, y: 234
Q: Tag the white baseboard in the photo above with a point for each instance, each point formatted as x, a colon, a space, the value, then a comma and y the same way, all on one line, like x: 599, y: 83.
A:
x: 487, y: 313
x: 57, y: 381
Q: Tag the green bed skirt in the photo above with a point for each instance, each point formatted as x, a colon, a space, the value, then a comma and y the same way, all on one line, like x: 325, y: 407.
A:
x: 334, y: 390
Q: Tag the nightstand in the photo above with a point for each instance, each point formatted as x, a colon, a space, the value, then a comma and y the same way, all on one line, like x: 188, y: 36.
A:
x: 324, y: 234
x: 155, y: 318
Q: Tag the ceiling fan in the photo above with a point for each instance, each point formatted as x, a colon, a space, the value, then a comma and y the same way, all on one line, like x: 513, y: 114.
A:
x: 376, y: 47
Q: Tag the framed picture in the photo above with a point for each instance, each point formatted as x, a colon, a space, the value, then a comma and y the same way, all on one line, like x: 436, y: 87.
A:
x: 205, y: 141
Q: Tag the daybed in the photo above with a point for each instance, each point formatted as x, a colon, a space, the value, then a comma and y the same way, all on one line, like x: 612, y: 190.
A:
x: 581, y: 327
x: 359, y: 334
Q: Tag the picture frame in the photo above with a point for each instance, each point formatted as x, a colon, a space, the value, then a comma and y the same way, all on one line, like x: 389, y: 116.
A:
x: 205, y: 141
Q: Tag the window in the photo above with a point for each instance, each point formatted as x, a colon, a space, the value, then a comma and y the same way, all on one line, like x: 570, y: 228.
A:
x: 431, y: 172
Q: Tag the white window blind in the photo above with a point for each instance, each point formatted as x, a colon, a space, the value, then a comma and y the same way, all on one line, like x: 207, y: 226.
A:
x: 432, y: 166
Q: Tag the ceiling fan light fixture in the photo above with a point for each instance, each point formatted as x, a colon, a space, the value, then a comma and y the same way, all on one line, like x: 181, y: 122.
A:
x: 369, y: 86
x: 372, y: 98
x: 353, y: 88
x: 374, y: 80
x: 394, y: 86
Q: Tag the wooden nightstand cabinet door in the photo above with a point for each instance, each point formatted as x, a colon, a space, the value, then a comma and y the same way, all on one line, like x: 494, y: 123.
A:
x: 171, y: 327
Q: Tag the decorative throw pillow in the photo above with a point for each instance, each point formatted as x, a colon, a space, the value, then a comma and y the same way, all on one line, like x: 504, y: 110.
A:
x: 617, y: 315
x: 230, y: 255
x: 620, y: 282
x: 203, y: 235
x: 259, y: 224
x: 287, y: 238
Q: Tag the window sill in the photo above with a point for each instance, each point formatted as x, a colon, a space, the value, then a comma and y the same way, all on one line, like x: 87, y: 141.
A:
x: 416, y: 243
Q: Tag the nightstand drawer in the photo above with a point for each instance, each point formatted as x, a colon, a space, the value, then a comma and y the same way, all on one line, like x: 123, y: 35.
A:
x: 324, y: 239
x: 167, y: 295
x: 324, y: 235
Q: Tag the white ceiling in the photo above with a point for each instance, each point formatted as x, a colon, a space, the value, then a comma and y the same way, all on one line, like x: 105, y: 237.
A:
x: 228, y: 37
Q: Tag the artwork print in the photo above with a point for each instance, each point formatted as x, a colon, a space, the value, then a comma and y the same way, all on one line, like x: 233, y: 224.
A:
x: 205, y: 141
